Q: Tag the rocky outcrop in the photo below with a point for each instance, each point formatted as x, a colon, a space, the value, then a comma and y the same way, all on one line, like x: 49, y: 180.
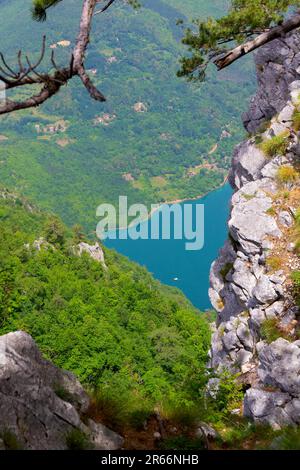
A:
x: 250, y: 283
x: 94, y: 251
x: 41, y: 405
x: 278, y: 65
x: 278, y: 370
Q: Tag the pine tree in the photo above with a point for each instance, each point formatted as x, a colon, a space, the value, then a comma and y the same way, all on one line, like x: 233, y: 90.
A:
x: 248, y: 25
x: 40, y: 7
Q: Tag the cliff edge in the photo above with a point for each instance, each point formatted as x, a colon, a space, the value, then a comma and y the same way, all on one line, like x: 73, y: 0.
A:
x: 257, y: 330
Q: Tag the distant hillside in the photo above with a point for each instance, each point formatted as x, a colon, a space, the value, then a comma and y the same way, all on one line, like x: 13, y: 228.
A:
x: 129, y: 339
x: 156, y: 137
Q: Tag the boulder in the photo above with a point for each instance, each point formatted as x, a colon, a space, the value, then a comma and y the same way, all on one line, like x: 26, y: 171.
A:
x: 279, y: 366
x: 264, y: 290
x: 250, y: 236
x: 267, y: 407
x: 257, y: 317
x: 40, y: 404
x: 285, y: 219
x: 206, y: 431
x: 231, y: 341
x: 247, y: 163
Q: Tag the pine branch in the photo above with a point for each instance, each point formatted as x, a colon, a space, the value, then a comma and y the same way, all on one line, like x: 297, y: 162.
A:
x: 249, y: 46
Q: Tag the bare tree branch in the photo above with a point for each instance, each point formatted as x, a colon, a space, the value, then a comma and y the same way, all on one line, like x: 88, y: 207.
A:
x: 249, y: 46
x: 105, y: 8
x: 52, y: 82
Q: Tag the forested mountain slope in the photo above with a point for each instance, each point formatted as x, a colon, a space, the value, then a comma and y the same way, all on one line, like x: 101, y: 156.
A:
x: 156, y: 138
x: 131, y: 341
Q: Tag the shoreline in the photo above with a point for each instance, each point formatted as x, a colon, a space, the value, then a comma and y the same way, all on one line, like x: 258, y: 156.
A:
x: 175, y: 201
x: 179, y: 201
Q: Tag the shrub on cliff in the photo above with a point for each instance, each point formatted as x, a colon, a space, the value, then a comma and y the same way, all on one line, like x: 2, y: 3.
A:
x: 287, y: 174
x: 276, y: 145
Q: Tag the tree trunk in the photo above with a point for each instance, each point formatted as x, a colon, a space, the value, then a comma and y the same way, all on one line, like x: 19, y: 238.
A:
x: 264, y: 38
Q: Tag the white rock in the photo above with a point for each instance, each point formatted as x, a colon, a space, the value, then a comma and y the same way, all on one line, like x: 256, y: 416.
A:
x: 264, y: 291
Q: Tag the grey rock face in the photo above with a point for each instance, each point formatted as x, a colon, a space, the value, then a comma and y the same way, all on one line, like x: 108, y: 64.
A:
x: 264, y: 290
x: 267, y: 407
x: 41, y: 404
x: 243, y: 288
x: 249, y: 204
x: 277, y: 66
x: 279, y: 366
x: 249, y: 160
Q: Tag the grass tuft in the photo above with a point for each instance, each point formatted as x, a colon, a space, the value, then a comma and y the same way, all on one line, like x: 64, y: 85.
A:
x: 287, y: 174
x: 276, y: 145
x: 274, y: 263
x: 270, y: 330
x: 77, y: 440
x: 10, y: 440
x: 296, y: 120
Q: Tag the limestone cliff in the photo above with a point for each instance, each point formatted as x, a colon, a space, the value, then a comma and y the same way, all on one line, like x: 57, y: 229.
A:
x: 41, y: 406
x: 251, y: 286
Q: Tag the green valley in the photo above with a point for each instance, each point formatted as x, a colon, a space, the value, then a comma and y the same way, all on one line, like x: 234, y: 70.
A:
x: 157, y: 138
x: 133, y: 342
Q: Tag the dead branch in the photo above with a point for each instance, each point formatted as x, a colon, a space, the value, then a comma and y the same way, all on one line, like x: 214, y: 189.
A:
x: 52, y: 81
x: 273, y: 33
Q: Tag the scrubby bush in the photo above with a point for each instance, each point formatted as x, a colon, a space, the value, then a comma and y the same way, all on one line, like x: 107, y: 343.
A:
x: 276, y: 145
x: 270, y: 330
x: 271, y: 211
x: 230, y: 392
x: 296, y: 280
x: 225, y: 270
x: 296, y: 231
x: 287, y: 174
x: 296, y: 120
x: 10, y: 440
x: 77, y: 440
x: 288, y: 440
x: 274, y: 263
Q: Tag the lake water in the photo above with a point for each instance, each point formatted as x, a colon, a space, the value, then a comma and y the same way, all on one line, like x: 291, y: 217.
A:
x: 171, y: 263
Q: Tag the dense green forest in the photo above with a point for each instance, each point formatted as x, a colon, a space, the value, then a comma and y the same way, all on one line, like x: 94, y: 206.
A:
x: 131, y: 340
x: 156, y: 138
x: 138, y: 347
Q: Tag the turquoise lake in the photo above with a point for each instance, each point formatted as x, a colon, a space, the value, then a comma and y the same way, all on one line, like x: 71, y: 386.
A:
x: 171, y: 263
